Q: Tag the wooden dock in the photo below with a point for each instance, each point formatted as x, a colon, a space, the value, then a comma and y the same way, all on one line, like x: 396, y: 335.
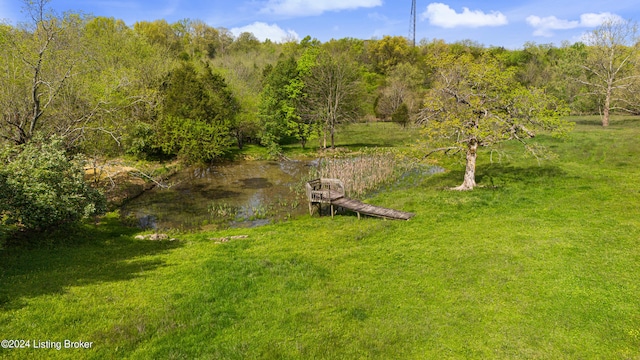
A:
x: 331, y: 191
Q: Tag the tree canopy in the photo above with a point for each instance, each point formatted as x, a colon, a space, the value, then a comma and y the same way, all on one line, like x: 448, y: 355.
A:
x: 477, y: 102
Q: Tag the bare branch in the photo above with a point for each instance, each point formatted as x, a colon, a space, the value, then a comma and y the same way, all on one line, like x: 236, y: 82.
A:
x: 446, y: 150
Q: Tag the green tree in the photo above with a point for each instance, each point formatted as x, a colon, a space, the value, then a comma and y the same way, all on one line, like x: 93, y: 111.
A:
x: 204, y: 39
x: 245, y: 42
x: 117, y: 90
x: 477, y: 102
x: 198, y: 114
x: 283, y: 95
x: 389, y: 51
x: 277, y: 108
x: 160, y: 33
x: 86, y: 79
x: 401, y: 115
x: 244, y: 73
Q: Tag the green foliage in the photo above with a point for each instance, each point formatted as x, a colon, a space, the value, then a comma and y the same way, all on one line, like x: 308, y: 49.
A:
x: 281, y: 107
x: 481, y: 101
x: 198, y: 115
x: 41, y: 188
x: 243, y: 72
x: 386, y: 53
x: 37, y: 62
x: 95, y: 79
x: 141, y: 141
x: 245, y: 43
x: 195, y: 141
x: 611, y: 66
x: 276, y: 105
x: 401, y: 115
x: 160, y: 33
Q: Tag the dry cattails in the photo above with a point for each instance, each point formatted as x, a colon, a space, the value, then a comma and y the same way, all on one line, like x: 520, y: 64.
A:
x: 363, y: 172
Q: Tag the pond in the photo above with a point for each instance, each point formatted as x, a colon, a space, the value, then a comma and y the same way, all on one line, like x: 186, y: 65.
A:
x: 238, y: 194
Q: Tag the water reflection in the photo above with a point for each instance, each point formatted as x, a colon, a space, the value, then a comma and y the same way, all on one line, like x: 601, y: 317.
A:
x: 256, y: 183
x: 246, y: 193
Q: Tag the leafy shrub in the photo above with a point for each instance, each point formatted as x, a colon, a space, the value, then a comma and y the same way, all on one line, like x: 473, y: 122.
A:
x: 141, y: 141
x: 41, y: 187
x: 401, y: 115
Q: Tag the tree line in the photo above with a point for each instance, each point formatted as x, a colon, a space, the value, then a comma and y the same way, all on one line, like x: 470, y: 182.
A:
x: 95, y: 86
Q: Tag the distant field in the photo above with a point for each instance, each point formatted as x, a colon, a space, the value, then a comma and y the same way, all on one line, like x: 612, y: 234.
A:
x: 541, y: 261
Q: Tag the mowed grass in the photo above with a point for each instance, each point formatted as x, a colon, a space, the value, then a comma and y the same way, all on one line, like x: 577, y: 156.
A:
x: 541, y: 262
x: 356, y: 136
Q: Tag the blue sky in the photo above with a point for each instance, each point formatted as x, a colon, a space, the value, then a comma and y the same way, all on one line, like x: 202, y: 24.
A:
x: 508, y: 23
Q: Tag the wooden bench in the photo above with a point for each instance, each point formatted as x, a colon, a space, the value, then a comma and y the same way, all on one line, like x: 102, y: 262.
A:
x: 324, y: 191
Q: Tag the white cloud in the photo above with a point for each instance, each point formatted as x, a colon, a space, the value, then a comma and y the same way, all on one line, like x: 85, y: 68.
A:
x: 595, y: 20
x: 314, y: 7
x: 264, y: 31
x: 442, y: 15
x: 545, y: 26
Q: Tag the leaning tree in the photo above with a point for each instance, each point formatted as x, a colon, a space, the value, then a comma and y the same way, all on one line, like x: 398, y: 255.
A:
x: 476, y: 102
x: 38, y: 60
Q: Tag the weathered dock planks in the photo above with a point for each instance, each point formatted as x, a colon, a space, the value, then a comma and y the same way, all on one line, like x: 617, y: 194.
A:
x: 371, y: 210
x: 331, y: 191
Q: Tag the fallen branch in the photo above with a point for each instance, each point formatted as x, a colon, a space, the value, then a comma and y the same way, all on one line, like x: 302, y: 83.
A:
x: 141, y: 174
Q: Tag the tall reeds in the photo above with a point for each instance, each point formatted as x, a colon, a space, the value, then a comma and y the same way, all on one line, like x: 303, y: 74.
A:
x: 364, y: 172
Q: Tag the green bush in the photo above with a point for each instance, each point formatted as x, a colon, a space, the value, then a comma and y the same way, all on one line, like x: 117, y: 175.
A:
x: 41, y: 188
x: 401, y: 115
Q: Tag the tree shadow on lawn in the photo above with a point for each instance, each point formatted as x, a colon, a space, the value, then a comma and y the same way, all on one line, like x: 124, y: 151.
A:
x: 614, y: 121
x: 373, y: 144
x: 499, y: 175
x: 107, y: 253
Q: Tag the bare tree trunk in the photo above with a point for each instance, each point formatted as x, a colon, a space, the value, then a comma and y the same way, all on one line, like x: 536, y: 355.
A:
x: 324, y: 138
x: 470, y: 172
x: 607, y: 105
x: 333, y: 143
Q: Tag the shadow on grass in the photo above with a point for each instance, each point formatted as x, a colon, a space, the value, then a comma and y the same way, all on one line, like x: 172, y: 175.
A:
x: 613, y: 121
x: 104, y: 253
x: 498, y: 175
x: 373, y: 143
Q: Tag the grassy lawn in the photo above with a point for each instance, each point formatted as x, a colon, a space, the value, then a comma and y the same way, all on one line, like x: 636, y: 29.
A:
x: 356, y: 136
x: 542, y: 261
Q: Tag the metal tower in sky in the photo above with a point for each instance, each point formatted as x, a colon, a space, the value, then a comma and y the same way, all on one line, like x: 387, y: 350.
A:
x: 412, y: 26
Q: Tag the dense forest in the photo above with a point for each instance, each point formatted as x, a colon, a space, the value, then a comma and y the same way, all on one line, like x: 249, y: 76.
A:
x: 80, y: 86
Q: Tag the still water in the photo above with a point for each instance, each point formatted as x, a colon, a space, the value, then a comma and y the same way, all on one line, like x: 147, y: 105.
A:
x: 238, y: 194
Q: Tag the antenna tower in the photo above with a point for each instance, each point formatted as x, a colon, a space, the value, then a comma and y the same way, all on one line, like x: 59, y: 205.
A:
x: 412, y: 26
